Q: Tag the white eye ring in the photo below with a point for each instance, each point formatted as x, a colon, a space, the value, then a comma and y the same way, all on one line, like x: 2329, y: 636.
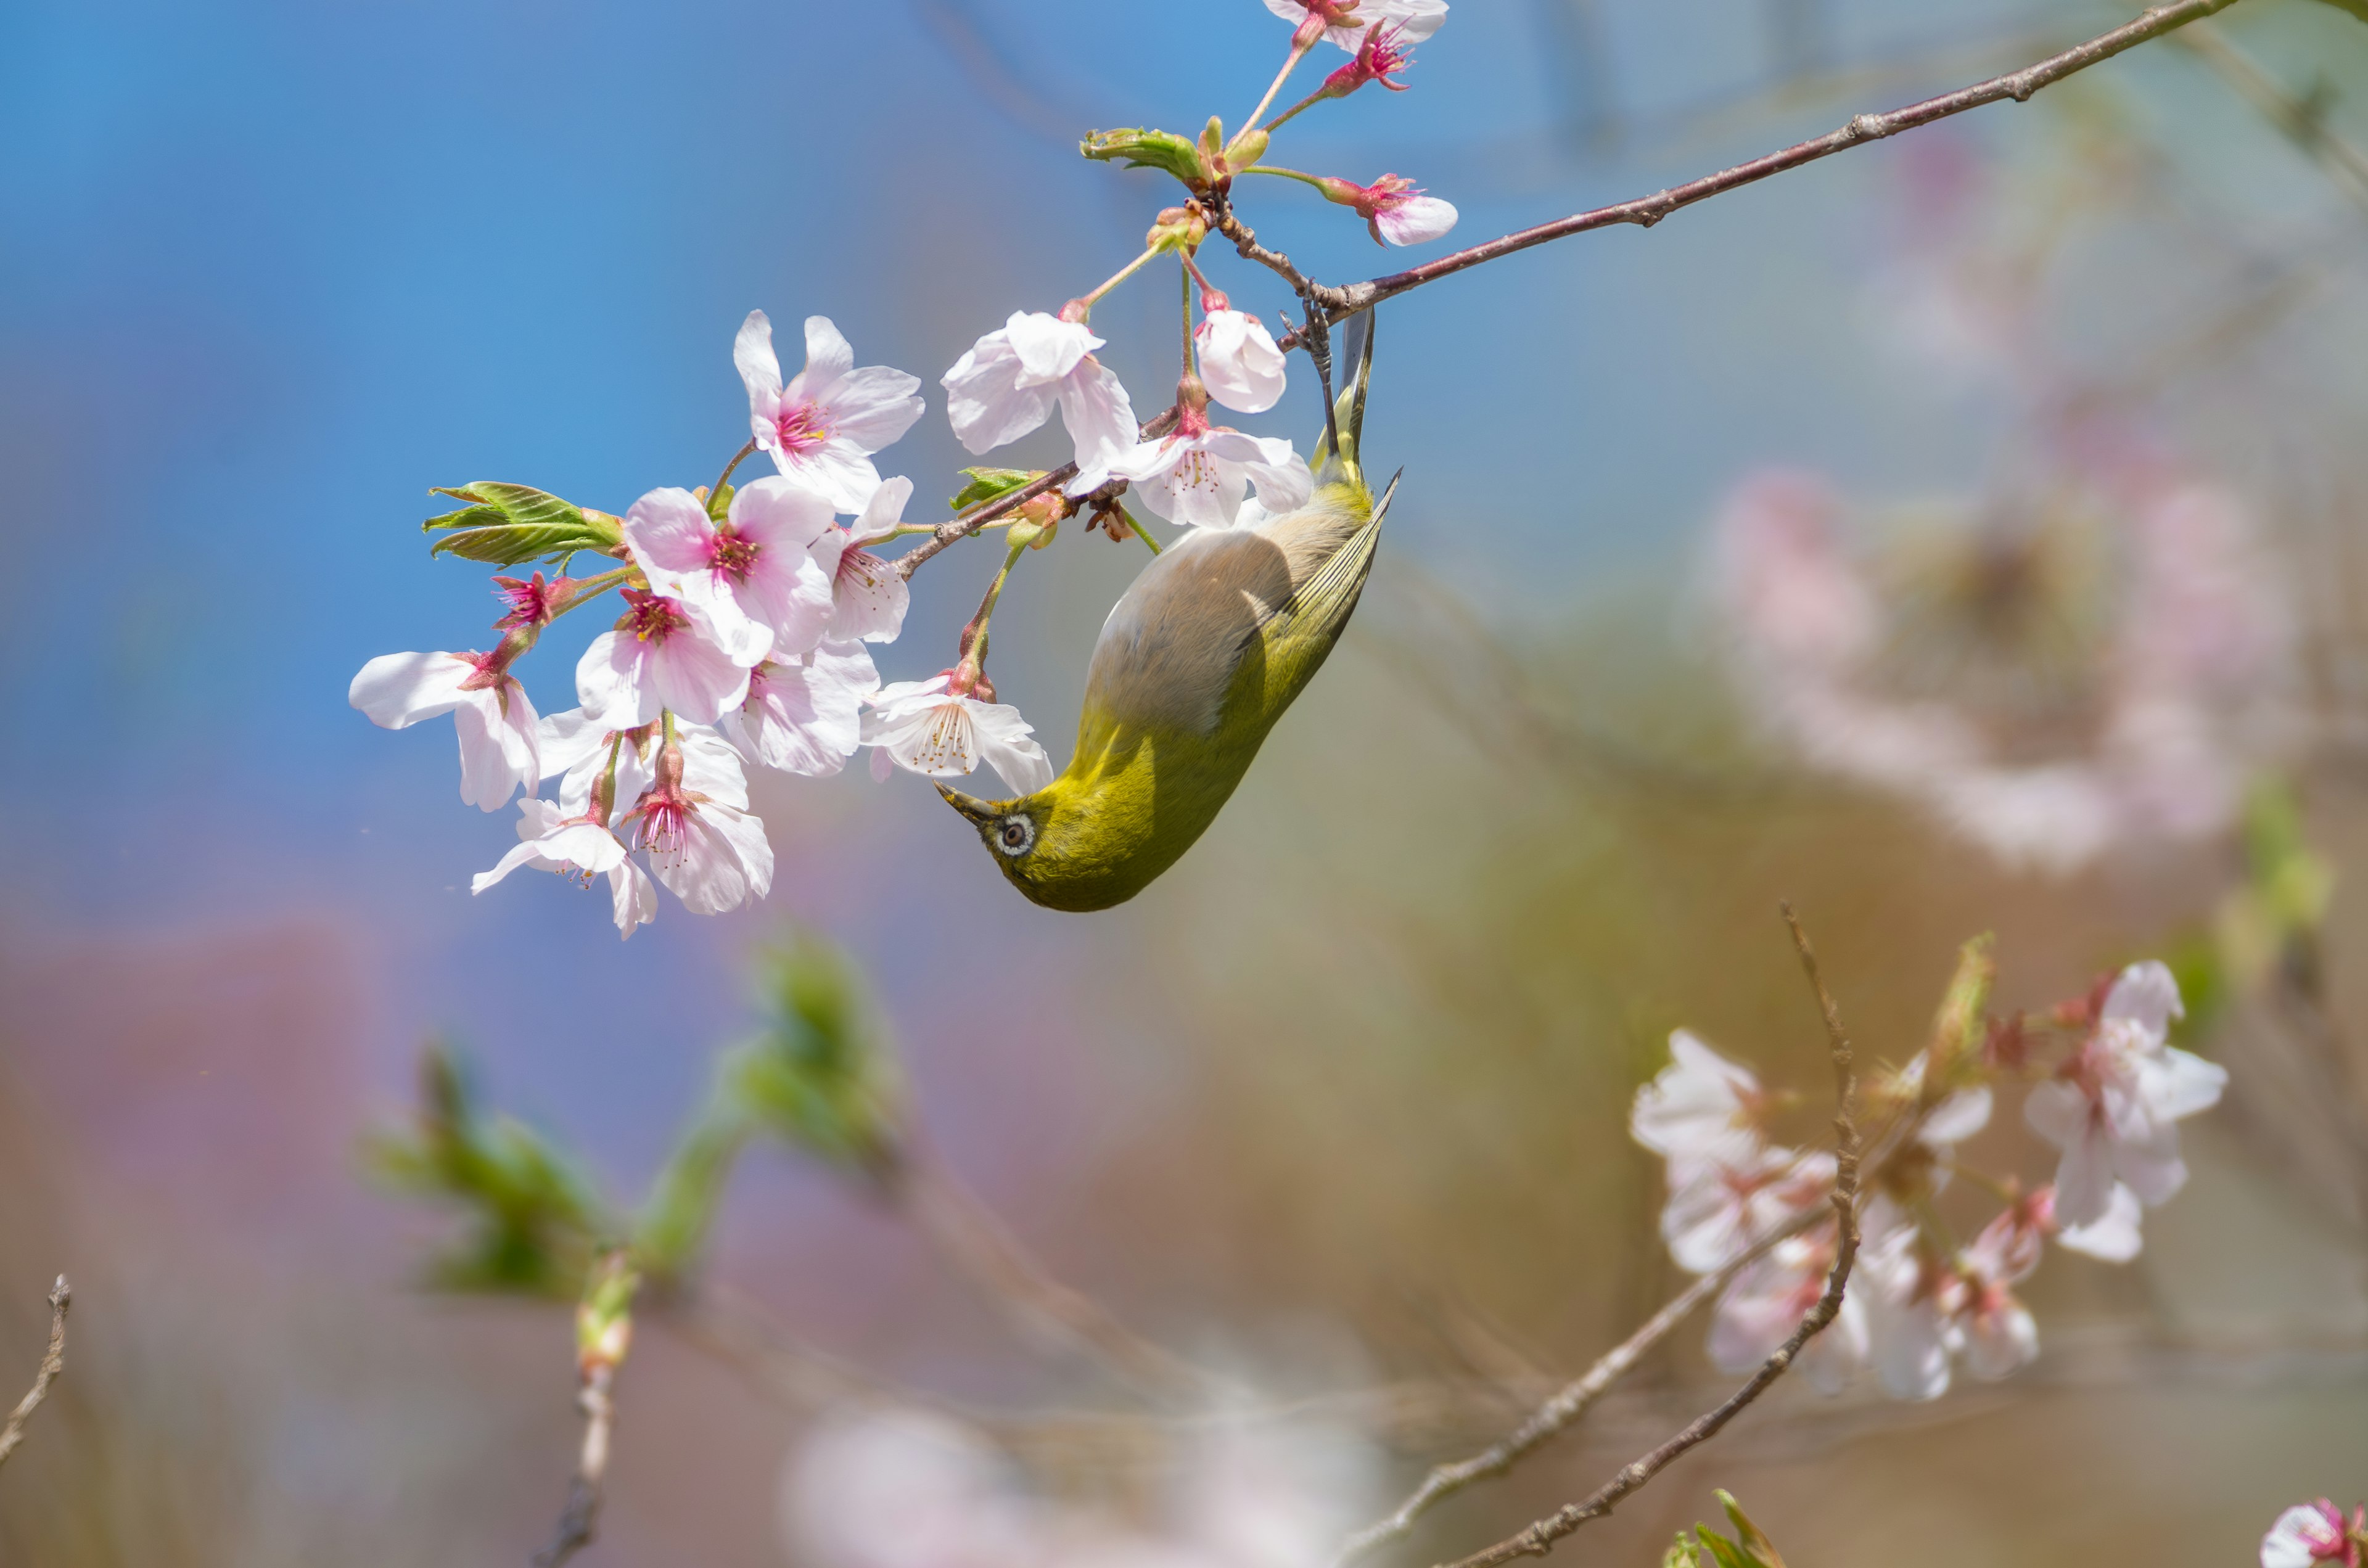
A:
x: 1016, y: 836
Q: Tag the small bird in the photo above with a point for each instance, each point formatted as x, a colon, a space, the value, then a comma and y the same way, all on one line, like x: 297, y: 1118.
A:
x: 1197, y: 661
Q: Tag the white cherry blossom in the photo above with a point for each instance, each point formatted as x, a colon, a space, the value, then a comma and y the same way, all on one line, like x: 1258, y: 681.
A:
x: 1701, y: 1109
x: 667, y: 652
x: 926, y: 727
x: 823, y: 427
x: 694, y: 821
x: 867, y: 598
x: 1995, y: 1331
x: 1007, y: 384
x: 755, y: 569
x: 1199, y: 474
x: 576, y: 846
x: 2310, y: 1534
x: 1239, y: 361
x: 490, y: 709
x: 1345, y: 24
x: 804, y: 714
x: 1908, y: 1327
x: 2115, y: 1106
x: 1764, y: 1303
x: 1719, y: 1208
x: 2116, y: 1237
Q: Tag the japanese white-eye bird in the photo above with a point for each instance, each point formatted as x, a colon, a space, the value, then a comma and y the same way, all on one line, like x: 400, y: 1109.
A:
x: 1217, y: 637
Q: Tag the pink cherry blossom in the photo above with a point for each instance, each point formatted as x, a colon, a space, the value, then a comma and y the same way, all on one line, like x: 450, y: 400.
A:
x: 1995, y: 1331
x: 1380, y: 56
x: 1200, y: 474
x: 868, y: 597
x: 490, y: 709
x: 2116, y: 1237
x: 582, y: 847
x: 1395, y: 212
x: 665, y: 654
x: 2113, y: 1108
x: 823, y: 427
x: 1007, y: 384
x: 1720, y: 1207
x: 803, y: 714
x: 926, y: 727
x: 756, y: 570
x: 694, y: 821
x: 1346, y: 22
x: 1764, y: 1305
x: 1909, y: 1307
x: 2312, y: 1533
x: 1239, y: 362
x: 1702, y: 1109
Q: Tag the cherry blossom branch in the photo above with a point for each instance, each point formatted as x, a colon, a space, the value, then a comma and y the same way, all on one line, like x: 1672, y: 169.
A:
x: 580, y: 1516
x: 1646, y: 211
x: 53, y: 1364
x: 974, y: 1238
x: 948, y: 534
x: 1538, y: 1538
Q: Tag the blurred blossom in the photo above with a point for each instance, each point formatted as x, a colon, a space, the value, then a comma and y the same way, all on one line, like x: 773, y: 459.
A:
x: 895, y: 1489
x: 2312, y: 1533
x: 1719, y: 1208
x: 2099, y: 671
x: 1766, y: 1302
x: 2114, y: 1107
x: 1942, y: 290
x: 1700, y: 1108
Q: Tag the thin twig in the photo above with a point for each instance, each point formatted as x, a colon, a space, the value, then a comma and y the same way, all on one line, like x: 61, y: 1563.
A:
x: 61, y: 1298
x: 1864, y: 128
x: 977, y: 517
x: 1538, y: 1538
x: 974, y: 1239
x: 580, y: 1516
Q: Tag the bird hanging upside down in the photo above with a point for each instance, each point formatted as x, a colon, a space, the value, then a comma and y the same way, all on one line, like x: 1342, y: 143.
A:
x: 1220, y: 635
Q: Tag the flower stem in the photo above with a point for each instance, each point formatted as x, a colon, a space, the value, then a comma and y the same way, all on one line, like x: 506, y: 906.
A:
x: 725, y: 477
x: 1310, y: 101
x: 591, y: 588
x: 1137, y: 530
x: 1281, y: 173
x: 1191, y: 361
x: 1123, y: 273
x: 1298, y: 53
x: 974, y: 634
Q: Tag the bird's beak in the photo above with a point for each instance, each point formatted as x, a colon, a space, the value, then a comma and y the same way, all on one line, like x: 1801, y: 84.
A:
x: 971, y: 806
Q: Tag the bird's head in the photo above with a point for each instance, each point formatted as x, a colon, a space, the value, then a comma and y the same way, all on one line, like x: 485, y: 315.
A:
x: 1064, y: 848
x: 1013, y: 832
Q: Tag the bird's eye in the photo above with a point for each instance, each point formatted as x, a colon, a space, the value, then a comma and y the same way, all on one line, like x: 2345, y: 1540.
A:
x: 1017, y: 837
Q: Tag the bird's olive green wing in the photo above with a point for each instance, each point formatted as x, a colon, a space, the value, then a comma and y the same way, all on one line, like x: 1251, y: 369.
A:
x: 1300, y: 632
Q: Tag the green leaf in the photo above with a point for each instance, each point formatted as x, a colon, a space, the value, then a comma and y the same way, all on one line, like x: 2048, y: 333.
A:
x: 673, y: 1225
x: 991, y: 485
x: 533, y: 1215
x: 1722, y: 1551
x: 1754, y: 1541
x: 510, y: 525
x: 1144, y: 149
x: 822, y: 1075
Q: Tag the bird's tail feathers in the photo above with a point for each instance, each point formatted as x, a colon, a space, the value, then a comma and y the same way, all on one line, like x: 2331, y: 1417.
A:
x: 1336, y: 456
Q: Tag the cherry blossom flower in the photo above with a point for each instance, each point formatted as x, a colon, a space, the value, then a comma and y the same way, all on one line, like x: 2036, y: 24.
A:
x: 1719, y: 1208
x: 490, y: 709
x: 580, y: 846
x: 868, y: 597
x: 823, y: 427
x: 1765, y: 1302
x: 803, y: 714
x: 1908, y: 1314
x: 755, y: 571
x: 694, y: 821
x: 2114, y: 1238
x: 1995, y: 1330
x: 1200, y: 474
x: 1395, y: 212
x: 904, y: 1489
x: 667, y: 652
x: 1346, y: 22
x: 1381, y: 56
x: 1006, y: 386
x: 2311, y: 1533
x: 1239, y: 362
x: 928, y: 727
x: 2113, y: 1108
x: 1701, y: 1109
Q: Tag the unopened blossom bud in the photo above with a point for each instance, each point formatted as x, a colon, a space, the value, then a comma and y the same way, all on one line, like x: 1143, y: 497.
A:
x: 1179, y: 229
x: 604, y: 1318
x: 1245, y: 150
x: 1039, y: 522
x: 1210, y: 149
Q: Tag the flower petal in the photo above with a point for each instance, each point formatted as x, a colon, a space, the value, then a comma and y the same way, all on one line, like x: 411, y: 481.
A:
x: 397, y: 690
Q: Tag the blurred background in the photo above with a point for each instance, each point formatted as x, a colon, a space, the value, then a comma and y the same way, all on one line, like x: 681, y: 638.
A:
x: 2055, y: 406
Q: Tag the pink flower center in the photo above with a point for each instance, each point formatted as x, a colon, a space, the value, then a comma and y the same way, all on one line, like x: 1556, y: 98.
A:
x: 665, y: 824
x: 651, y: 617
x: 731, y: 555
x: 802, y: 429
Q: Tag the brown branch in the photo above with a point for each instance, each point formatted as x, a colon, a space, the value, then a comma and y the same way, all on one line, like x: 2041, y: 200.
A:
x: 977, y: 517
x: 579, y: 1517
x: 61, y: 1298
x: 975, y: 1240
x: 1646, y: 211
x: 1538, y: 1538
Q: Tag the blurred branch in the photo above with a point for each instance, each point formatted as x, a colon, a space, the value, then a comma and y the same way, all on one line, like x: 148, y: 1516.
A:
x: 2302, y: 120
x: 1538, y: 1538
x: 61, y: 1298
x: 1861, y: 129
x: 604, y: 1331
x: 975, y: 1240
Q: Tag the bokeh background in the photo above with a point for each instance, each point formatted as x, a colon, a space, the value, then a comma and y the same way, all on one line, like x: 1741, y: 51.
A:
x: 1340, y: 1101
